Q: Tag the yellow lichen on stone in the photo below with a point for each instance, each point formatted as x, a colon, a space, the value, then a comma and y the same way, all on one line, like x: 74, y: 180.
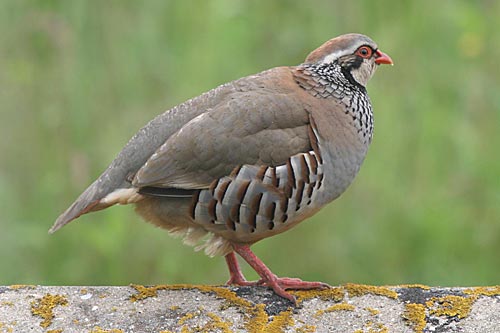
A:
x: 5, y: 328
x: 483, y: 291
x: 186, y: 317
x: 215, y: 324
x: 415, y: 285
x: 22, y: 286
x: 451, y: 306
x: 306, y: 329
x: 362, y: 289
x: 98, y: 329
x: 371, y: 327
x: 218, y: 324
x: 44, y: 307
x: 280, y: 322
x: 415, y: 315
x: 7, y: 303
x: 55, y: 331
x: 335, y: 294
x: 226, y: 294
x: 335, y: 307
x: 372, y: 311
x: 152, y: 291
x: 256, y: 318
x: 378, y: 328
x: 258, y: 321
x: 145, y: 292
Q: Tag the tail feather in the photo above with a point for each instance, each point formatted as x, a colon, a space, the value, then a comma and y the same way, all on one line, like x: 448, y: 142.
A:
x: 88, y: 201
x: 73, y: 212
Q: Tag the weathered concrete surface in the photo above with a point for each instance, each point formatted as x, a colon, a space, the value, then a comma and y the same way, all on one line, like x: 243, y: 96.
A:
x: 186, y: 308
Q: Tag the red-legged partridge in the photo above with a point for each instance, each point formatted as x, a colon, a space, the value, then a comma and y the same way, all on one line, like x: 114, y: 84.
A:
x: 249, y: 159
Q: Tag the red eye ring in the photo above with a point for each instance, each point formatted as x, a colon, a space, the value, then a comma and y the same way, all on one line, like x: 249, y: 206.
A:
x: 364, y: 52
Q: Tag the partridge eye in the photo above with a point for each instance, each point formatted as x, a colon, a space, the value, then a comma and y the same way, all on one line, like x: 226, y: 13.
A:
x: 364, y: 52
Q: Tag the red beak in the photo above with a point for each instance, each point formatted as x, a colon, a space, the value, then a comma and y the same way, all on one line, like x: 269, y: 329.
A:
x: 382, y: 58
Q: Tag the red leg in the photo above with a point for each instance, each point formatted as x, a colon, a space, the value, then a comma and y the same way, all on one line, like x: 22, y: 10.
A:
x: 235, y: 275
x: 268, y: 278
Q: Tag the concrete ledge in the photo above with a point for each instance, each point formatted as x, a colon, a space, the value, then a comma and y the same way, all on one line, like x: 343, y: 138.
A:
x: 191, y: 308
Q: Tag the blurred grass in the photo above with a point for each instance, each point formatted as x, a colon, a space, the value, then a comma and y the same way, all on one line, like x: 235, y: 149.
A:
x: 78, y: 78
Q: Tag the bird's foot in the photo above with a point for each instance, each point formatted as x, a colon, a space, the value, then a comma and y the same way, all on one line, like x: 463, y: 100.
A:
x: 280, y: 285
x: 295, y: 283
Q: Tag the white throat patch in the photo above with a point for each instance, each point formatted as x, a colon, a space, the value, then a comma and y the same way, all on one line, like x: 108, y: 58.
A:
x: 364, y: 73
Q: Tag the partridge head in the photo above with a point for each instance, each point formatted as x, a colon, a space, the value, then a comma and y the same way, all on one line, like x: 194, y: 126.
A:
x: 249, y: 159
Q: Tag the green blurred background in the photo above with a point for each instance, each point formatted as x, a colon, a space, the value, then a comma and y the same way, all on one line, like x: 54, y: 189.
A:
x: 79, y: 78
